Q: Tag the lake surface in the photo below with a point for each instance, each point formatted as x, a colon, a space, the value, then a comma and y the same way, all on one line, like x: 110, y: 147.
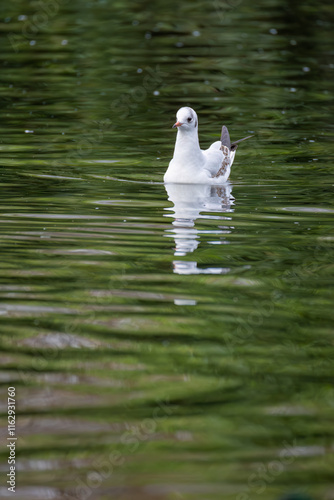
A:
x: 167, y: 342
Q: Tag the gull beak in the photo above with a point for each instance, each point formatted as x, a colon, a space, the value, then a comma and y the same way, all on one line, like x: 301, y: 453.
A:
x: 177, y: 124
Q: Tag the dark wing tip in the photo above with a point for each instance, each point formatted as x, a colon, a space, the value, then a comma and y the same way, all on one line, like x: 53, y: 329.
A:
x: 225, y: 138
x: 235, y: 144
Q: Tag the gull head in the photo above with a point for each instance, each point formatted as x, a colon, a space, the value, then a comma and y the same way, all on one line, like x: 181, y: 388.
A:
x: 186, y: 120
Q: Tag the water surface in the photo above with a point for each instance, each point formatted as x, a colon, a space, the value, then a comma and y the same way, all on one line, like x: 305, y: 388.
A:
x: 167, y: 342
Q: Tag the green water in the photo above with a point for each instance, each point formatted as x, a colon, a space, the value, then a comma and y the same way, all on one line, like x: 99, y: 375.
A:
x: 167, y: 343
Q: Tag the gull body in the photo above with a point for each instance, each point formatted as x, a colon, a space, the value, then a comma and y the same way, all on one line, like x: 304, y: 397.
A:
x: 192, y: 165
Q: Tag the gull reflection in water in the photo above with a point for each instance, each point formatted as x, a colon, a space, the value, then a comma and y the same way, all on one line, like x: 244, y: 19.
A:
x: 190, y: 201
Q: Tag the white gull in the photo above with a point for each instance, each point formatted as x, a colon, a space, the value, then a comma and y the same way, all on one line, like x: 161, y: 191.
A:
x: 191, y: 164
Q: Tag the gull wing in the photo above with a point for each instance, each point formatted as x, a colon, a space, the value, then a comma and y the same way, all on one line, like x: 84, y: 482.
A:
x: 235, y: 144
x: 225, y: 138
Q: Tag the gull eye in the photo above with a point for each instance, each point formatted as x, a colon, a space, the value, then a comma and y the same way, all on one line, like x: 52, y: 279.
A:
x: 189, y: 120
